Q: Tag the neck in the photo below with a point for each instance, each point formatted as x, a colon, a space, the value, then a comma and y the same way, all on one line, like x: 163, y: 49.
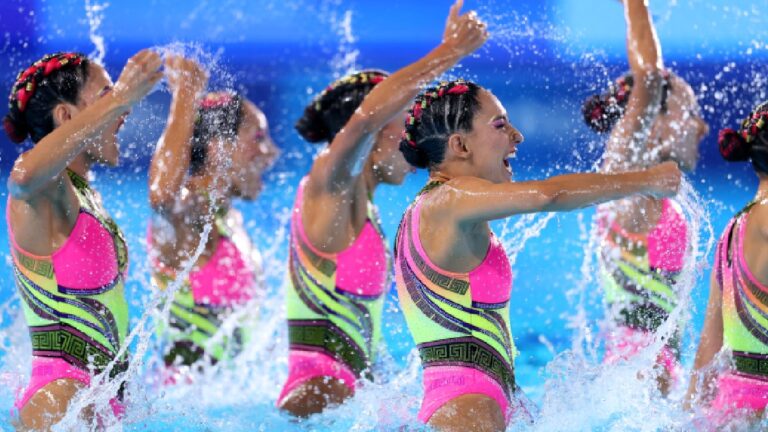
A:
x: 369, y: 178
x: 448, y: 171
x: 80, y: 165
x: 762, y: 188
x: 204, y: 186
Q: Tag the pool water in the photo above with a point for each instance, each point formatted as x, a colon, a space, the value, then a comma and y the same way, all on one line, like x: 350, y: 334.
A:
x: 243, y: 395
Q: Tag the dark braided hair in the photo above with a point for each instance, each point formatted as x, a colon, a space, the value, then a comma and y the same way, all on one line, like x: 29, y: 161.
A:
x: 332, y: 109
x: 750, y: 142
x: 602, y: 112
x: 219, y: 115
x: 53, y: 79
x: 437, y: 113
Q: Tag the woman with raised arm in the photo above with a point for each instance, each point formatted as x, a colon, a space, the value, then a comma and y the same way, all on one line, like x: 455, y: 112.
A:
x: 453, y: 276
x: 652, y: 116
x: 214, y: 149
x: 735, y: 320
x: 339, y: 264
x: 69, y: 256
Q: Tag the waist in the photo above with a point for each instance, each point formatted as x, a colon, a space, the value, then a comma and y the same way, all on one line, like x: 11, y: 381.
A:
x: 77, y: 348
x: 326, y: 337
x: 751, y: 364
x: 469, y: 352
x: 643, y: 316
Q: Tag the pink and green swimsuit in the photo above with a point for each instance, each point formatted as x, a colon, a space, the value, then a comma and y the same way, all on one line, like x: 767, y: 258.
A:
x: 745, y: 324
x: 73, y: 300
x: 226, y: 281
x: 459, y: 321
x: 639, y: 274
x: 334, y: 304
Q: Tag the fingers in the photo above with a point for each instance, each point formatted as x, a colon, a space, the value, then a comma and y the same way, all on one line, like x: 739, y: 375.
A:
x: 147, y: 60
x: 140, y: 56
x: 172, y: 62
x: 153, y: 62
x: 154, y: 78
x: 455, y: 10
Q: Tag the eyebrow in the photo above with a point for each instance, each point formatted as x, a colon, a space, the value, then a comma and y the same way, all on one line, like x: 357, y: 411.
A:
x: 499, y: 117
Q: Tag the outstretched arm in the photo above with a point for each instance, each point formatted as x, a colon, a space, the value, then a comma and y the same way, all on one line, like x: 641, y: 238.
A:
x: 37, y: 167
x: 170, y: 163
x: 337, y: 168
x: 627, y: 143
x: 710, y: 344
x: 474, y: 200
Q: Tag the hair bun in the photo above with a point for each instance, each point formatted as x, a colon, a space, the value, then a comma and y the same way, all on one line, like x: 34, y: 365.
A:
x: 16, y: 132
x: 414, y: 155
x: 733, y: 146
x: 597, y: 114
x: 312, y: 127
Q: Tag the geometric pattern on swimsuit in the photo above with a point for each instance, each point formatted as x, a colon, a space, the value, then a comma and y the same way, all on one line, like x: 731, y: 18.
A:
x: 639, y: 285
x: 744, y: 302
x: 343, y: 322
x: 84, y: 325
x: 194, y: 320
x: 454, y: 331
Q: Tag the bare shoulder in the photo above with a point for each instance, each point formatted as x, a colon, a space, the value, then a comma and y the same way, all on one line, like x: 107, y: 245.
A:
x: 759, y: 220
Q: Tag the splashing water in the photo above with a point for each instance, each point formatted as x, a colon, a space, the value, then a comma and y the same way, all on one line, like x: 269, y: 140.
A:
x: 344, y: 61
x: 94, y: 10
x: 582, y: 391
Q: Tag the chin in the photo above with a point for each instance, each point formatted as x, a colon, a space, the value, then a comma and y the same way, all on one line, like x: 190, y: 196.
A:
x: 394, y: 180
x: 248, y: 194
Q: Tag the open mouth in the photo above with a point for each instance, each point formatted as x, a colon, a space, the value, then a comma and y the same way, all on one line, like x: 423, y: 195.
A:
x: 507, y: 164
x: 120, y: 123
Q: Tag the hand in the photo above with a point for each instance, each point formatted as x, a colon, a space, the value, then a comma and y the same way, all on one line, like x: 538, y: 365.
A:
x: 464, y: 33
x: 664, y: 179
x: 138, y: 77
x: 185, y: 75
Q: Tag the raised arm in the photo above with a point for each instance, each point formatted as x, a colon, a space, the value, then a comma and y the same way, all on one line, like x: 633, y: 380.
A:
x: 343, y: 160
x: 710, y: 344
x: 473, y: 200
x: 170, y: 163
x: 37, y: 167
x: 627, y: 143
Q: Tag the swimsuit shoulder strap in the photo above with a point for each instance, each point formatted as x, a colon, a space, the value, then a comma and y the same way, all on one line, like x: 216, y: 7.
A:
x: 220, y: 222
x: 738, y: 220
x: 429, y: 187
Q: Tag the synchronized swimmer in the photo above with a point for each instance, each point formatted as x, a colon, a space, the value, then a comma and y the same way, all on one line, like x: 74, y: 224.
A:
x: 651, y: 116
x: 451, y: 272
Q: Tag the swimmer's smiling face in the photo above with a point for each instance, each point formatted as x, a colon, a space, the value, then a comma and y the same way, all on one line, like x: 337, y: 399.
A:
x: 493, y: 140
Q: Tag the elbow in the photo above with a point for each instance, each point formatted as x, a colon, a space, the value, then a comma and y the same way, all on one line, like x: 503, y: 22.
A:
x: 549, y: 199
x: 557, y: 199
x: 361, y: 122
x: 20, y: 183
x: 652, y: 79
x: 159, y: 200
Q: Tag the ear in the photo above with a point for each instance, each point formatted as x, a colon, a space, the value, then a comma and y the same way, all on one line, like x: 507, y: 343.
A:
x: 62, y: 113
x: 457, y: 146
